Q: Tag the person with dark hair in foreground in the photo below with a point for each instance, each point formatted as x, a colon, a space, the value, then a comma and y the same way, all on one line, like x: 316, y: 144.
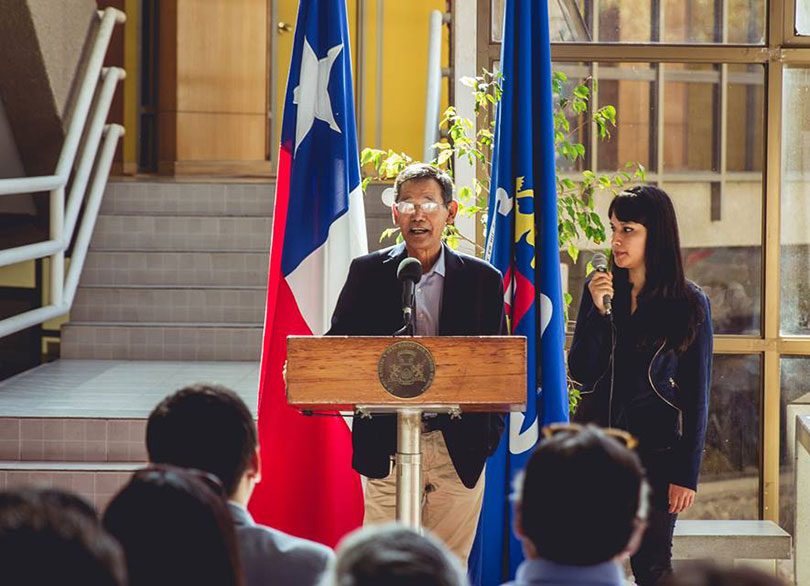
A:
x: 644, y: 365
x: 174, y: 527
x: 707, y: 574
x: 208, y: 427
x: 393, y: 555
x: 580, y: 506
x: 53, y: 537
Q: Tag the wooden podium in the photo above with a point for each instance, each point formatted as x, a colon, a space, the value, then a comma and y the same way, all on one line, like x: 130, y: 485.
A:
x: 408, y: 376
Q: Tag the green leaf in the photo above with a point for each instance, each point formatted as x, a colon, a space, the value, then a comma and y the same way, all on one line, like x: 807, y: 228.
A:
x: 573, y: 252
x: 388, y: 233
x: 444, y: 156
x: 582, y: 92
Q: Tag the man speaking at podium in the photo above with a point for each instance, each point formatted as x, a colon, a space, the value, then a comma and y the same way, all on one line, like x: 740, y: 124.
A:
x: 457, y: 295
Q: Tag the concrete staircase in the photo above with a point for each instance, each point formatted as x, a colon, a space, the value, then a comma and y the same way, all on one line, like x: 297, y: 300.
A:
x: 176, y: 271
x: 172, y: 293
x: 89, y: 456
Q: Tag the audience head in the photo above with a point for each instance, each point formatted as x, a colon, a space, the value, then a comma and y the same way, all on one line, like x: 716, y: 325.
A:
x: 707, y: 574
x: 582, y: 499
x: 393, y: 555
x: 53, y: 537
x: 206, y: 427
x: 175, y: 528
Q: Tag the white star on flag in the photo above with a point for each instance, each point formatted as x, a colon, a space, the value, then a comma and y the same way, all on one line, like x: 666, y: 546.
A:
x: 312, y: 95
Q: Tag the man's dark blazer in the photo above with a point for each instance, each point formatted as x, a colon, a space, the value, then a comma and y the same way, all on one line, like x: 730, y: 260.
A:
x: 370, y: 304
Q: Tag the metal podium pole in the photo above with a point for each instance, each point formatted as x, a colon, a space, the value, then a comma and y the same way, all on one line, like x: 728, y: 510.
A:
x: 409, y: 467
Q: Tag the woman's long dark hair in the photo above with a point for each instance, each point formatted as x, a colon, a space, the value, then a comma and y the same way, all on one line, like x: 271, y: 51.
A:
x: 175, y: 528
x: 671, y: 308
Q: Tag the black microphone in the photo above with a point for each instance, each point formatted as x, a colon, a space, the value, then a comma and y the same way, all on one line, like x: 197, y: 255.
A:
x: 410, y: 273
x: 600, y: 263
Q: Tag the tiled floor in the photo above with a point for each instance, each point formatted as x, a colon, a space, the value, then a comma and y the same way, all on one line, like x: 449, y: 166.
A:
x: 114, y: 388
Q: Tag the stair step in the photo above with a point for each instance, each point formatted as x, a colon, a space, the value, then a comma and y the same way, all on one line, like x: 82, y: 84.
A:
x: 97, y: 484
x: 71, y: 439
x: 162, y: 341
x: 182, y: 233
x: 175, y: 268
x: 73, y: 466
x: 140, y: 304
x: 156, y: 198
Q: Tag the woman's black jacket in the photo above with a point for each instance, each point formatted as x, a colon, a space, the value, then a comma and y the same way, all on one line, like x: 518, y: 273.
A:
x: 681, y: 381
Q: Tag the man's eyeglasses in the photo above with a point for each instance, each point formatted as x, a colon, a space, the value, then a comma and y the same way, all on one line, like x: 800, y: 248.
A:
x: 627, y: 440
x: 407, y: 208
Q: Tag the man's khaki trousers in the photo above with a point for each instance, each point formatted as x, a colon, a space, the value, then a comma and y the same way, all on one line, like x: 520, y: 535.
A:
x: 450, y: 510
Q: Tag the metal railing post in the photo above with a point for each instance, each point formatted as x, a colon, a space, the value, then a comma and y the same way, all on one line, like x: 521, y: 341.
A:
x: 113, y: 133
x: 434, y: 84
x: 57, y: 233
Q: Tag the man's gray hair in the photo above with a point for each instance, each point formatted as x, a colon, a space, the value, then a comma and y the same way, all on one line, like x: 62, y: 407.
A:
x: 393, y: 554
x: 416, y: 171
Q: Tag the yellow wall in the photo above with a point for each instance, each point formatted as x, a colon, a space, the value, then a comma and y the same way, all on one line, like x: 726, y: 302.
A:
x: 404, y: 69
x: 18, y: 275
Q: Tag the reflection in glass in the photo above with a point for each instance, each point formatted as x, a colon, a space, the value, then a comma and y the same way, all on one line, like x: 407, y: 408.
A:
x: 566, y: 21
x: 729, y: 476
x: 690, y: 106
x: 628, y: 87
x: 746, y: 96
x: 795, y: 230
x: 691, y: 21
x: 802, y: 17
x: 746, y: 22
x: 650, y: 21
x: 795, y: 386
x: 579, y: 127
x: 732, y: 277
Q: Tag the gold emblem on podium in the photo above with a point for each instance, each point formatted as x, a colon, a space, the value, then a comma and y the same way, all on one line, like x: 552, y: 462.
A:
x: 406, y: 369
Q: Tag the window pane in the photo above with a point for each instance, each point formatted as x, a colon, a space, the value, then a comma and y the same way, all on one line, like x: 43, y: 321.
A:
x: 579, y: 128
x: 690, y: 121
x: 795, y: 385
x: 795, y: 252
x: 650, y: 21
x: 729, y: 476
x: 746, y: 96
x: 802, y: 17
x: 628, y: 87
x: 746, y: 22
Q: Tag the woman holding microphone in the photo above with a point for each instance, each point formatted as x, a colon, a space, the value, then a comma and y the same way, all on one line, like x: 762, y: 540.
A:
x: 642, y: 358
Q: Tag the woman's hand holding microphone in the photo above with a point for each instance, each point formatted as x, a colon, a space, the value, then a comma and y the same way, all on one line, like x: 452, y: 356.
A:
x: 600, y: 286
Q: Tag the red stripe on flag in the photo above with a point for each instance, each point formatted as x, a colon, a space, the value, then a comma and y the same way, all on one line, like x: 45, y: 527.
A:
x: 308, y: 486
x: 274, y: 276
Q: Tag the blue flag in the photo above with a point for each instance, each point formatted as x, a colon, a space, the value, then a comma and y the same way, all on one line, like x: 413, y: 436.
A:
x: 522, y: 242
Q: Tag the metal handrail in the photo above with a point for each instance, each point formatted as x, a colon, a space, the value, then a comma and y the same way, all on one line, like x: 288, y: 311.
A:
x: 93, y: 168
x: 801, y: 537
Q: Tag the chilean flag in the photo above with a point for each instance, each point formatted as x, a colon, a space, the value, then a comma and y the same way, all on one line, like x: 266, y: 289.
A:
x: 308, y: 487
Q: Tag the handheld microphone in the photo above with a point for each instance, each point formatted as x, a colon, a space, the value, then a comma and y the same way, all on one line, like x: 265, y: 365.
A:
x: 410, y: 273
x: 600, y: 263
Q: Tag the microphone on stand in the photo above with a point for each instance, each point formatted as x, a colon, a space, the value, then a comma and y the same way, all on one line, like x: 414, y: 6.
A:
x: 600, y: 264
x: 409, y: 273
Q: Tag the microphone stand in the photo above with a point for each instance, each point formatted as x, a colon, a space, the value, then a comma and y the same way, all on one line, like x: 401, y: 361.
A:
x: 408, y: 311
x: 408, y: 328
